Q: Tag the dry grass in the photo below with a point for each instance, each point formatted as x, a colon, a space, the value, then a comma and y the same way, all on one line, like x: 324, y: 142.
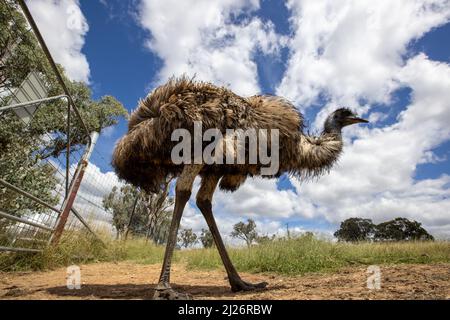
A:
x: 292, y: 257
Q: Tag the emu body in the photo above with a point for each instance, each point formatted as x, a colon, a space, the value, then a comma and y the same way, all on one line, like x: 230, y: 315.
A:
x: 143, y: 156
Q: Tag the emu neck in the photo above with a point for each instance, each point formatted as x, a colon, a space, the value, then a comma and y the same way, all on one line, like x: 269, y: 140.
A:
x: 316, y: 154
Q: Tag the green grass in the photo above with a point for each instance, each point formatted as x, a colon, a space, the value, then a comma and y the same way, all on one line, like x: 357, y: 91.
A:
x: 307, y: 254
x: 142, y: 251
x: 291, y: 257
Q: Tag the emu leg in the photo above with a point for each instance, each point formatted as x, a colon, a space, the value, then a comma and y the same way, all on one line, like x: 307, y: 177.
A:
x: 182, y: 194
x: 204, y: 197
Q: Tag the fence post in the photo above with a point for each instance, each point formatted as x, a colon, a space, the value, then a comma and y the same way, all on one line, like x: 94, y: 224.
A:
x: 132, y: 215
x: 73, y: 190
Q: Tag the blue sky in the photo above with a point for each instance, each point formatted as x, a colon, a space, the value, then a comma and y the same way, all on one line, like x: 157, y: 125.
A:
x: 319, y: 55
x: 123, y: 67
x: 436, y: 45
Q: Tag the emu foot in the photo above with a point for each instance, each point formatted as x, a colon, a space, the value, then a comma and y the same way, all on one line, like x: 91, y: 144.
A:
x: 170, y: 294
x: 241, y: 285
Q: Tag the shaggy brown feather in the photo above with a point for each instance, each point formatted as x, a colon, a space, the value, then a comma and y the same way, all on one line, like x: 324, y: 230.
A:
x: 142, y: 156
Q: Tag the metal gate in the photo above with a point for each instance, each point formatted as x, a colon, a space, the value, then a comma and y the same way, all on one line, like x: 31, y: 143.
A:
x: 43, y: 165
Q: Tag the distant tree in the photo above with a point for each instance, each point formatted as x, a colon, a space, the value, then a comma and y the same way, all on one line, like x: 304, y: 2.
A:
x: 245, y: 231
x: 308, y: 234
x: 401, y: 229
x: 264, y: 239
x: 140, y: 213
x: 355, y: 229
x: 206, y: 238
x: 159, y: 215
x: 126, y: 210
x: 187, y: 238
x: 160, y: 232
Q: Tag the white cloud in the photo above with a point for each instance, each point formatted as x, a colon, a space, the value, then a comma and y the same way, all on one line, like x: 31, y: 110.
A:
x: 108, y: 131
x: 64, y: 28
x: 94, y: 187
x: 375, y: 175
x: 201, y: 37
x: 353, y: 50
x: 348, y: 51
x: 258, y: 199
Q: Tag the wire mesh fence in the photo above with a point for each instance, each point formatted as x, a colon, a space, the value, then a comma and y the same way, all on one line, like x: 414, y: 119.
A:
x: 44, y: 143
x: 96, y: 185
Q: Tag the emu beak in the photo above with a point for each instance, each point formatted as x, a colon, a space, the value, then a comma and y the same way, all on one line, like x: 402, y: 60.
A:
x: 353, y: 120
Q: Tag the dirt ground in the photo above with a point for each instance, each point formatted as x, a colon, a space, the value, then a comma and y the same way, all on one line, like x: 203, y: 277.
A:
x: 127, y: 280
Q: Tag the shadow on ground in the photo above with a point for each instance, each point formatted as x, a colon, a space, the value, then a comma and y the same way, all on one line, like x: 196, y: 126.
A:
x: 144, y: 291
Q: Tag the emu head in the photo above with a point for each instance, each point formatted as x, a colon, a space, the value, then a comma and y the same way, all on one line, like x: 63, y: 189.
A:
x: 341, y: 118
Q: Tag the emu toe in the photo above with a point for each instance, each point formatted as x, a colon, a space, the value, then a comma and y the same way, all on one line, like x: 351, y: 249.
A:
x: 246, y: 286
x: 170, y: 294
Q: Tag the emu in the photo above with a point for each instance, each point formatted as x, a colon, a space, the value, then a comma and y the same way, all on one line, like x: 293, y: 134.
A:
x: 143, y: 156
